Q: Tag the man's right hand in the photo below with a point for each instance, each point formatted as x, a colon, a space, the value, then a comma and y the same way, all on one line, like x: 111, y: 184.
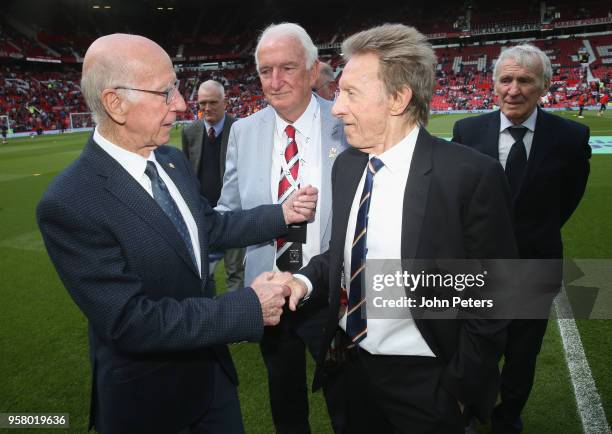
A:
x: 271, y: 296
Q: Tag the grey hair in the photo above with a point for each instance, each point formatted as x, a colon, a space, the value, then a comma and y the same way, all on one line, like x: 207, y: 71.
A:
x: 311, y: 53
x: 406, y: 60
x: 105, y: 74
x: 215, y: 84
x: 527, y: 56
x: 326, y: 71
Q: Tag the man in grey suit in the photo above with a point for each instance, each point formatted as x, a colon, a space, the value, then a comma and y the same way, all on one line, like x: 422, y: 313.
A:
x: 292, y: 142
x: 205, y: 145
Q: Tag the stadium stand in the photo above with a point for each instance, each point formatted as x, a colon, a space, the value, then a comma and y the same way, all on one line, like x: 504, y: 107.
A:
x: 39, y: 85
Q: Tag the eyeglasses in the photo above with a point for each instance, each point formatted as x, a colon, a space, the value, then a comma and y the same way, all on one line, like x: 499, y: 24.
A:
x: 322, y: 86
x: 169, y: 94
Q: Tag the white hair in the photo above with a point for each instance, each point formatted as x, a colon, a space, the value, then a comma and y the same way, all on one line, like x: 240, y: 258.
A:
x: 213, y: 84
x: 311, y: 53
x: 529, y: 57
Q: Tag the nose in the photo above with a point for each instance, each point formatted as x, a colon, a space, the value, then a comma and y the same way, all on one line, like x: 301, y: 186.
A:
x: 339, y: 107
x: 178, y: 103
x: 514, y: 88
x: 276, y: 80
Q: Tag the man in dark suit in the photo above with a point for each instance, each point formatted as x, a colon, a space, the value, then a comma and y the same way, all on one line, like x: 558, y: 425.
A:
x: 129, y: 235
x: 546, y: 160
x: 205, y: 145
x: 401, y: 194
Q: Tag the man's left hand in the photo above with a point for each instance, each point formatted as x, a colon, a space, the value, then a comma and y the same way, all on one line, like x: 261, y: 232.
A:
x: 301, y: 205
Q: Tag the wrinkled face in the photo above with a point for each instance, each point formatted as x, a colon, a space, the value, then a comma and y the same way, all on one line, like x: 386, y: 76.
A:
x: 518, y: 90
x: 212, y: 104
x: 285, y: 81
x: 149, y: 119
x: 362, y: 103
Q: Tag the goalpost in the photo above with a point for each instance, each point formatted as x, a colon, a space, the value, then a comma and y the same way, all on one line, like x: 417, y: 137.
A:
x: 81, y: 121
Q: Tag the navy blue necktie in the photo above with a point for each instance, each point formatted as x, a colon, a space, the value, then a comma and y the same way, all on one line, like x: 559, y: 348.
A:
x: 356, y: 321
x: 164, y: 200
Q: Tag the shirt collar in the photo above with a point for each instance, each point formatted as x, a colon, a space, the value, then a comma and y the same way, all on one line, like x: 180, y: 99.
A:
x: 133, y: 163
x: 529, y: 123
x: 400, y: 155
x: 303, y: 124
x: 218, y: 126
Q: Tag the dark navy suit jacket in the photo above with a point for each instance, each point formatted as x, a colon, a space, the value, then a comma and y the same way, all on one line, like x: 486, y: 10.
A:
x: 557, y: 173
x: 154, y: 335
x: 456, y: 205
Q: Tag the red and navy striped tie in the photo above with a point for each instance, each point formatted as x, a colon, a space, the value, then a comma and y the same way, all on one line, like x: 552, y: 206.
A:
x: 356, y: 320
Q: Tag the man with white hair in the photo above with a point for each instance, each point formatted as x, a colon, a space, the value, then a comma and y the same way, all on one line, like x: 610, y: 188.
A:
x: 546, y: 161
x: 129, y: 235
x: 325, y: 86
x: 205, y: 145
x: 292, y: 142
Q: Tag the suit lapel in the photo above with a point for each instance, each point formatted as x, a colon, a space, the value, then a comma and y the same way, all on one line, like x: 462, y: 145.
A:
x: 416, y: 194
x: 128, y: 191
x: 346, y: 188
x: 541, y: 141
x: 263, y: 152
x: 330, y: 148
x: 191, y: 197
x: 491, y: 136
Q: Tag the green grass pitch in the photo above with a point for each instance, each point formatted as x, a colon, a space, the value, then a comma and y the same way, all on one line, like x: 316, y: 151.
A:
x: 44, y: 363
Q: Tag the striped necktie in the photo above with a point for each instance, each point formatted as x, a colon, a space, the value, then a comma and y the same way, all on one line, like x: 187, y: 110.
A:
x: 288, y: 256
x: 356, y: 321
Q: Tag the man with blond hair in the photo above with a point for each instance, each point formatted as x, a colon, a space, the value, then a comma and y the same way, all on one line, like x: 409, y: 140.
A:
x: 400, y: 194
x: 129, y: 235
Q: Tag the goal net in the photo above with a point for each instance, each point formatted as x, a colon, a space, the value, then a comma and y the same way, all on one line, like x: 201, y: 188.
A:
x: 81, y: 121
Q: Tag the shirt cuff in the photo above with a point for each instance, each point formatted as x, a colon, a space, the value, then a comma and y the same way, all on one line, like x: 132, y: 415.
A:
x: 307, y: 283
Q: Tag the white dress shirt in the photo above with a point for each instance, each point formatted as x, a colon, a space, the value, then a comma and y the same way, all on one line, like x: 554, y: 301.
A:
x: 308, y: 139
x: 135, y: 165
x: 218, y: 126
x: 506, y: 140
x: 384, y: 241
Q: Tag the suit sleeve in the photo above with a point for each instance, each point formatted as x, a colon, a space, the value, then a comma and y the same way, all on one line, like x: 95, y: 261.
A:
x: 575, y: 176
x: 457, y: 133
x: 92, y: 266
x: 230, y: 192
x: 488, y: 234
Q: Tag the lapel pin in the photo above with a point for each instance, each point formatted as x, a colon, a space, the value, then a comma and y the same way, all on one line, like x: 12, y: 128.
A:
x: 171, y: 165
x: 332, y: 152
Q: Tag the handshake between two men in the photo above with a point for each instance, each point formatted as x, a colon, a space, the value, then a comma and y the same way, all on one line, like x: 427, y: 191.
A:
x: 272, y: 288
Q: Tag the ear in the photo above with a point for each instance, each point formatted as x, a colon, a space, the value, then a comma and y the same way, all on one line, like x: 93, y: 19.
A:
x: 399, y: 101
x: 314, y: 73
x: 116, y: 107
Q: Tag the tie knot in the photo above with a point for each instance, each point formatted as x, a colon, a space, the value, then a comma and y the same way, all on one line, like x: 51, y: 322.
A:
x: 151, y: 171
x: 374, y: 165
x: 518, y: 133
x: 211, y: 133
x: 290, y: 131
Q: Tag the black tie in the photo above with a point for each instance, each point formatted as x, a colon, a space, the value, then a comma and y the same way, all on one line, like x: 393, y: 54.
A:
x: 164, y: 200
x: 517, y: 160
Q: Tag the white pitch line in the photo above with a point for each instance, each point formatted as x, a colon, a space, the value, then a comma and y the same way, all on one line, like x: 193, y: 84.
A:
x: 588, y: 400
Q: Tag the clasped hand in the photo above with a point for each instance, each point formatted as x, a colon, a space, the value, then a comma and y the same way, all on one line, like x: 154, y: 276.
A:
x: 272, y: 288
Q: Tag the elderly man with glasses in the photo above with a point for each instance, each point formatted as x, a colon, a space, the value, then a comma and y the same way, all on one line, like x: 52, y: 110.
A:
x: 129, y: 235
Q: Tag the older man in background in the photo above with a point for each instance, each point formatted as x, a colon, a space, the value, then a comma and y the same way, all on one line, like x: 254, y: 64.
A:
x: 205, y: 145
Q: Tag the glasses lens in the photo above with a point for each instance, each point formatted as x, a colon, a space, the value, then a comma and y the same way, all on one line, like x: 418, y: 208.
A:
x: 172, y: 92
